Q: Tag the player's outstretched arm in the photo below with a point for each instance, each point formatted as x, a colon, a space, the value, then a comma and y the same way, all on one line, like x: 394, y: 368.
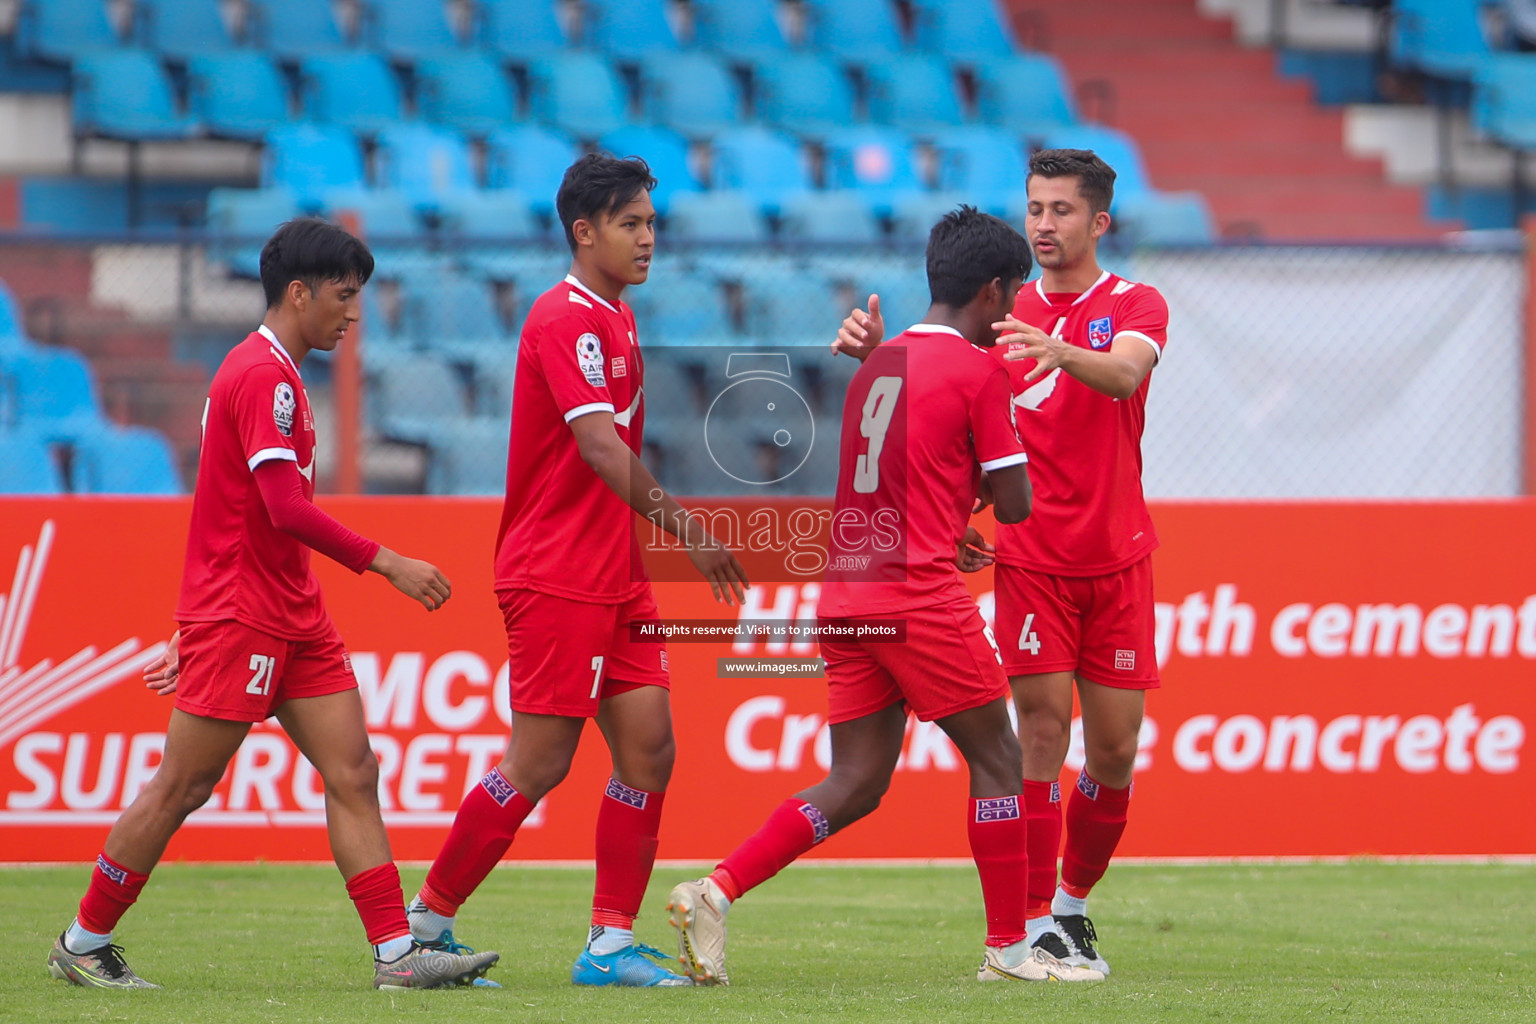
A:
x: 1116, y: 373
x: 160, y: 674
x: 861, y: 332
x: 420, y: 581
x: 618, y: 467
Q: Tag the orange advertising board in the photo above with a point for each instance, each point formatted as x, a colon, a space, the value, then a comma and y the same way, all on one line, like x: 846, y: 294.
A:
x: 1338, y: 679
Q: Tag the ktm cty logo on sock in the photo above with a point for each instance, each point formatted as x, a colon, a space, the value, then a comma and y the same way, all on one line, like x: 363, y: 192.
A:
x: 626, y: 795
x: 1001, y: 808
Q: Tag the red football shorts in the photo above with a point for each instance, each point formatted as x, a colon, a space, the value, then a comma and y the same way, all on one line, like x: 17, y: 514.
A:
x: 1104, y: 628
x: 948, y: 664
x: 232, y: 671
x: 565, y: 656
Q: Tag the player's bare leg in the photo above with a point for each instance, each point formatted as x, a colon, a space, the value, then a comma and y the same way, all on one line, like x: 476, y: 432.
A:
x: 197, y: 750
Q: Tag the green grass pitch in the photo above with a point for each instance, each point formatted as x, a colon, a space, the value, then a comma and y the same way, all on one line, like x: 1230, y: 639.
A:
x: 1359, y: 941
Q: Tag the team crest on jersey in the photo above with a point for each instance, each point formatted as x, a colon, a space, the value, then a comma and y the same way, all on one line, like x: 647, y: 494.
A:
x: 283, y: 407
x: 589, y: 356
x: 1099, y: 333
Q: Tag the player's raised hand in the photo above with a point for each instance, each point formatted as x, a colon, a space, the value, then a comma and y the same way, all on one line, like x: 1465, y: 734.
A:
x: 1025, y: 341
x: 160, y: 675
x: 975, y: 553
x: 717, y: 564
x: 420, y: 581
x: 861, y: 332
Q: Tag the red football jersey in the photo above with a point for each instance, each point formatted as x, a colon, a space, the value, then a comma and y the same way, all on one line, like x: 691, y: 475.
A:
x: 239, y: 566
x: 1090, y: 517
x: 563, y: 531
x: 924, y: 415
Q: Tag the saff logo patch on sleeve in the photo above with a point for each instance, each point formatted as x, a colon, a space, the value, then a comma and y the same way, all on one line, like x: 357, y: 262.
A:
x: 1099, y: 333
x: 283, y: 407
x: 589, y: 356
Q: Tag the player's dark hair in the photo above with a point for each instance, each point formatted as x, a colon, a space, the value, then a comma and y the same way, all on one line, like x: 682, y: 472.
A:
x: 966, y: 250
x: 599, y: 184
x: 312, y: 250
x: 1095, y: 178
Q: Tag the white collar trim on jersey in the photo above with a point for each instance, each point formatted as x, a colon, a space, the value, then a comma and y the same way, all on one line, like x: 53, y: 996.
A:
x: 1040, y: 288
x: 277, y: 346
x: 933, y: 329
x: 570, y: 279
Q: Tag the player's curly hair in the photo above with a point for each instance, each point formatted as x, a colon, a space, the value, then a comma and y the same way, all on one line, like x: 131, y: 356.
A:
x: 1095, y: 178
x: 599, y: 184
x: 312, y: 250
x: 967, y: 249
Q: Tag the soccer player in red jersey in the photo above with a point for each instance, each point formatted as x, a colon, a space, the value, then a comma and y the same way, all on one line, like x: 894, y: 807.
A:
x: 570, y: 581
x: 255, y: 640
x: 1074, y: 583
x: 924, y: 417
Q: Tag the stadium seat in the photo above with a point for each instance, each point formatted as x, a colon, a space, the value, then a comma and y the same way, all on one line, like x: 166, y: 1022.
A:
x: 237, y: 95
x: 840, y: 216
x: 765, y: 165
x: 743, y: 30
x: 295, y: 29
x: 1165, y: 218
x: 985, y: 165
x: 854, y: 28
x: 967, y: 30
x: 467, y: 91
x: 530, y: 160
x: 627, y: 28
x: 789, y: 305
x: 680, y: 306
x: 468, y: 456
x: 423, y: 162
x: 488, y: 214
x: 691, y: 93
x: 27, y: 465
x: 451, y: 314
x: 124, y: 460
x: 354, y: 90
x: 1027, y: 93
x: 13, y: 328
x: 412, y: 399
x: 877, y: 161
x: 183, y: 29
x: 127, y: 95
x: 55, y: 391
x: 62, y: 30
x: 665, y: 151
x: 411, y: 29
x: 520, y: 30
x: 1504, y: 99
x: 803, y: 93
x: 385, y: 213
x: 241, y: 219
x: 1113, y: 146
x: 577, y: 93
x: 914, y: 214
x: 914, y: 93
x: 310, y: 160
x: 719, y: 216
x: 1443, y: 38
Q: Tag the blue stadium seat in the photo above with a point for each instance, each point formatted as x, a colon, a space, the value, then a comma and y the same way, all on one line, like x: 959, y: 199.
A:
x: 354, y: 90
x: 720, y: 216
x: 310, y: 160
x: 985, y: 165
x: 577, y: 93
x: 765, y: 165
x: 1165, y: 218
x: 13, y: 328
x: 468, y: 456
x: 877, y: 161
x: 1438, y: 37
x: 465, y: 91
x: 413, y: 399
x: 237, y: 95
x: 27, y: 465
x: 665, y: 151
x: 968, y: 30
x: 55, y: 391
x: 915, y: 213
x: 127, y: 95
x: 385, y: 214
x: 841, y: 216
x: 182, y: 29
x: 690, y: 92
x: 423, y: 162
x: 627, y: 28
x: 744, y: 30
x: 855, y: 28
x: 61, y: 30
x: 411, y: 29
x: 124, y: 460
x: 491, y: 214
x: 521, y: 30
x: 1027, y: 93
x: 1113, y: 146
x: 450, y: 313
x: 679, y: 306
x: 1504, y: 99
x: 915, y: 93
x: 804, y: 93
x: 241, y: 219
x: 295, y: 29
x: 530, y: 160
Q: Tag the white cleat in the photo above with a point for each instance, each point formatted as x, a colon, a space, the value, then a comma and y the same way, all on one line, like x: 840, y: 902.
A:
x: 1019, y: 962
x: 698, y: 911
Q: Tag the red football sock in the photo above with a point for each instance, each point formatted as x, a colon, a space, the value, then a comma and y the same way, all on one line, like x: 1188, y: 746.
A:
x: 996, y: 830
x: 112, y: 891
x: 1095, y: 821
x: 793, y: 828
x: 627, y: 825
x: 487, y: 821
x: 1042, y: 811
x: 376, y: 893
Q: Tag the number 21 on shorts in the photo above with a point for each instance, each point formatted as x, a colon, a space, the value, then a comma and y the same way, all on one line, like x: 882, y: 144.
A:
x: 261, y: 682
x: 1029, y: 640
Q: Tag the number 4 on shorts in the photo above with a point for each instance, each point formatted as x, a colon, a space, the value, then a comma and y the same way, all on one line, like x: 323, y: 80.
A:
x: 1029, y: 640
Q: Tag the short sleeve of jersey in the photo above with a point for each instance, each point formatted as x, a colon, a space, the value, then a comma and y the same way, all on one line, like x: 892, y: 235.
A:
x: 264, y: 406
x: 1144, y: 314
x: 573, y: 357
x: 993, y: 428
